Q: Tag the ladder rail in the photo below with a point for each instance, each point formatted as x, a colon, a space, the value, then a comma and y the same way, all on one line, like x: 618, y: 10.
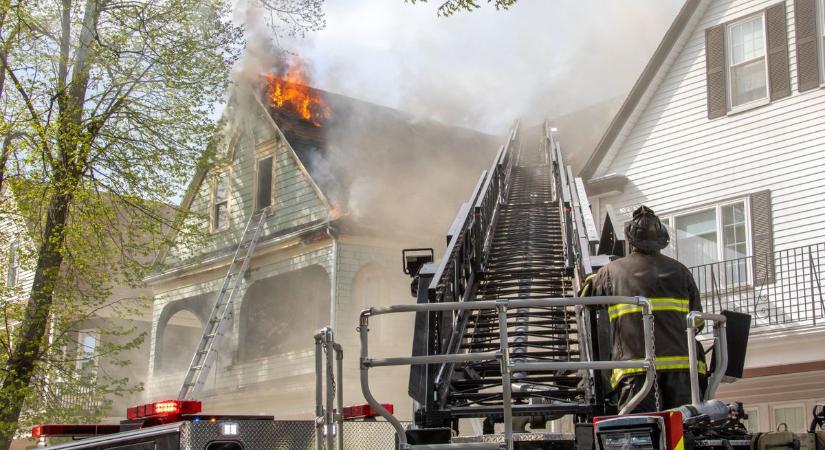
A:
x: 213, y: 330
x: 518, y: 237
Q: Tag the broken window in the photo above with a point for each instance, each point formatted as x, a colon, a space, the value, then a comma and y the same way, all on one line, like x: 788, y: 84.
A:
x: 220, y: 201
x: 263, y: 196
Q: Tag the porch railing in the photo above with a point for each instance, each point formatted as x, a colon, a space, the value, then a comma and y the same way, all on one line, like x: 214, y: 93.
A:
x: 781, y: 289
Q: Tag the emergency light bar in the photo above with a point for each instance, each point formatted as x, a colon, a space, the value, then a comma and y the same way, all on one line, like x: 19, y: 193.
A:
x: 166, y: 410
x: 73, y: 430
x: 364, y: 411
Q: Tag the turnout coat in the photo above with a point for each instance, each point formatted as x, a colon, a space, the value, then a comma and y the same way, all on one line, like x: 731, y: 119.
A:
x: 670, y: 287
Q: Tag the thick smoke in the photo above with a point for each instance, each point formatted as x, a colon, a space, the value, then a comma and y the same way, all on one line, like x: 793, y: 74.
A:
x: 461, y: 81
x: 481, y: 70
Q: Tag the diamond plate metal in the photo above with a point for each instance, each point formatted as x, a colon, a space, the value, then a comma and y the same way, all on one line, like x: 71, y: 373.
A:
x: 517, y: 437
x: 286, y: 435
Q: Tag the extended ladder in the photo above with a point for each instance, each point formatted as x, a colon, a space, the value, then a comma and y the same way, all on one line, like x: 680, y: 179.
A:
x: 213, y: 330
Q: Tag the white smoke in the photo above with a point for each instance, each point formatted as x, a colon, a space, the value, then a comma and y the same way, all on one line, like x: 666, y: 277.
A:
x: 482, y: 69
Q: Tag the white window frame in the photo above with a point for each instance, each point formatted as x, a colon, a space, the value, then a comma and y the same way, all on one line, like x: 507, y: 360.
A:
x: 13, y: 270
x: 720, y: 248
x: 749, y: 410
x: 81, y: 351
x: 773, y: 407
x: 213, y: 189
x: 729, y: 65
x: 258, y: 159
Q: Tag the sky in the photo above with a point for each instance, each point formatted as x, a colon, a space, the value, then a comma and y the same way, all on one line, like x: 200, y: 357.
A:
x: 484, y: 69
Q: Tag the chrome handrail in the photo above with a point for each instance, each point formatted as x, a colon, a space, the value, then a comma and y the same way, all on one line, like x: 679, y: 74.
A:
x: 503, y: 355
x: 720, y: 353
x: 329, y: 421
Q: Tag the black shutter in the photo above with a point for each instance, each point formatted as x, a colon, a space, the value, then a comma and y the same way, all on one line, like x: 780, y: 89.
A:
x: 807, y: 53
x: 762, y: 232
x: 777, y: 37
x: 715, y: 69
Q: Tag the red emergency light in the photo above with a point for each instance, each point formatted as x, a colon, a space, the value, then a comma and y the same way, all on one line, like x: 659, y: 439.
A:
x: 73, y: 430
x: 165, y: 411
x: 364, y: 411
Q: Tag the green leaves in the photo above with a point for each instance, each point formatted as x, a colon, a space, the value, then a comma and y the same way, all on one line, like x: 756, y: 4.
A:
x: 450, y: 7
x: 107, y: 107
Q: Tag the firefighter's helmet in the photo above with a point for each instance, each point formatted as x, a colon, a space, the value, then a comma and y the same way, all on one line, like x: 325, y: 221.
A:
x: 646, y: 232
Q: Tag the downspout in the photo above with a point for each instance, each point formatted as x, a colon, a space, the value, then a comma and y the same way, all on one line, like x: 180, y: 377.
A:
x: 333, y: 290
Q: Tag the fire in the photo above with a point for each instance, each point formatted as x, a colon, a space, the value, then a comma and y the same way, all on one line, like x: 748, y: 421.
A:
x: 291, y: 92
x: 336, y: 212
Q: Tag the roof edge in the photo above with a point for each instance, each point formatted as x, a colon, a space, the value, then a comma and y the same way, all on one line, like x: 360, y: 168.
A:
x: 640, y: 87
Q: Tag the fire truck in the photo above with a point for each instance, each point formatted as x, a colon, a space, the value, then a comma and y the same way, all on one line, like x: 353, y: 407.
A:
x: 501, y: 340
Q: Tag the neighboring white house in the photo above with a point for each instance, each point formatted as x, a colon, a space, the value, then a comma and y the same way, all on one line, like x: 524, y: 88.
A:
x: 723, y: 136
x: 84, y: 344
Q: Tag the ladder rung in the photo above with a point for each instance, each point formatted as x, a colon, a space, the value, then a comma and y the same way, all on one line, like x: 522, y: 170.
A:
x: 221, y: 310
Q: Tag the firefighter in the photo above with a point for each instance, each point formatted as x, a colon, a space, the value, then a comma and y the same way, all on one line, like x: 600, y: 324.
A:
x: 670, y: 287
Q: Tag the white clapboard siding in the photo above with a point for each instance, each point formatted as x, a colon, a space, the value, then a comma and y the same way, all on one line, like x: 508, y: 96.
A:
x: 12, y: 227
x: 296, y: 201
x: 675, y: 158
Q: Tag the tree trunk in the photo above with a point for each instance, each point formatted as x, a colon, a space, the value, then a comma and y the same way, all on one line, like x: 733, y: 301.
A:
x: 30, y: 335
x: 32, y: 330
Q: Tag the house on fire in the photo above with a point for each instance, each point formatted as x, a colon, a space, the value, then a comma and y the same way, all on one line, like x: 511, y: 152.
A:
x: 722, y: 136
x: 349, y: 184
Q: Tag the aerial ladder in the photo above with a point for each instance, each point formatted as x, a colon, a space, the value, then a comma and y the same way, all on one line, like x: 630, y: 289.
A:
x: 500, y: 334
x: 524, y: 235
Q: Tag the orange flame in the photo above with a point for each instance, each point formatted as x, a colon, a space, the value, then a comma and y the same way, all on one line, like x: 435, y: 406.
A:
x: 291, y: 92
x: 336, y: 212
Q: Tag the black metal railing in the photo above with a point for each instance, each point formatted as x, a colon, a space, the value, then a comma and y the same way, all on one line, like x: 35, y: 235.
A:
x: 784, y: 288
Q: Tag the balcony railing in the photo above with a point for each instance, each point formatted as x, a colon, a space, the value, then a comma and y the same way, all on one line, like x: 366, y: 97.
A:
x: 778, y: 290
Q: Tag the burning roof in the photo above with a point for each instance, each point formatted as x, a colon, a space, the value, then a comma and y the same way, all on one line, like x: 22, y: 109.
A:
x: 382, y: 168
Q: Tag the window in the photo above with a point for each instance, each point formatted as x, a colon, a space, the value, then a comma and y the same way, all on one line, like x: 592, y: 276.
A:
x: 752, y: 422
x: 86, y: 351
x: 14, y: 264
x: 792, y: 416
x: 670, y: 250
x: 717, y: 235
x: 747, y: 63
x: 220, y: 201
x: 263, y: 197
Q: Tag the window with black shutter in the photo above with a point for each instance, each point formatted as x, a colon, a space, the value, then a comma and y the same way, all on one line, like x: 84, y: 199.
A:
x: 747, y: 62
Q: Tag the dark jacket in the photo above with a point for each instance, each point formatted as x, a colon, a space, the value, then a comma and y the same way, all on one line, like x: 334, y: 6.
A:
x: 669, y: 285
